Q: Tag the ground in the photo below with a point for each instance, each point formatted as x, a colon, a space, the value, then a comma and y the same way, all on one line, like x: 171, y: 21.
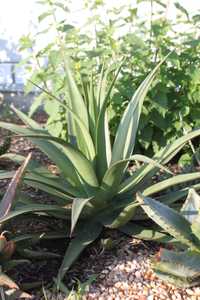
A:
x: 121, y: 272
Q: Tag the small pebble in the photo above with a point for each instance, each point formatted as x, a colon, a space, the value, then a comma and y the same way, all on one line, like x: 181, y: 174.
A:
x: 189, y: 292
x: 129, y: 277
x: 137, y: 274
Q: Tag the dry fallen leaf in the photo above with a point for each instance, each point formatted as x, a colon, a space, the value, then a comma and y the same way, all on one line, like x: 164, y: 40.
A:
x: 7, y: 281
x: 17, y: 294
x: 6, y: 202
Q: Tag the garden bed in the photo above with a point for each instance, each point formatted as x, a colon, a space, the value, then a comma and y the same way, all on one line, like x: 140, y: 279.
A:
x: 120, y: 270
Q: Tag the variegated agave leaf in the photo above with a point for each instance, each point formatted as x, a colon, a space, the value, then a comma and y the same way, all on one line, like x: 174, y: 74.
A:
x: 179, y: 268
x: 190, y: 210
x: 170, y: 220
x: 191, y: 206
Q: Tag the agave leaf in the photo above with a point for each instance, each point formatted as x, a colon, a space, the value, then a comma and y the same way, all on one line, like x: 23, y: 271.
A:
x: 47, y: 180
x: 172, y: 197
x: 87, y: 145
x: 83, y: 166
x: 107, y: 214
x: 114, y: 174
x: 77, y: 207
x: 89, y: 149
x: 78, y: 106
x: 26, y: 120
x: 124, y: 215
x: 79, y: 161
x: 21, y: 199
x: 32, y: 208
x: 170, y: 220
x: 65, y: 190
x: 131, y: 183
x: 196, y: 227
x: 110, y: 185
x: 39, y: 182
x: 144, y: 233
x: 27, y: 253
x: 84, y: 235
x: 6, y: 175
x: 75, y: 100
x: 89, y: 99
x: 62, y: 287
x: 177, y: 281
x: 160, y: 186
x: 54, y: 152
x: 182, y: 264
x: 191, y: 206
x: 147, y: 160
x: 126, y: 132
x: 37, y: 237
x: 19, y: 159
x: 170, y: 150
x: 61, y: 198
x: 70, y: 161
x: 13, y: 263
x: 139, y: 177
x: 92, y: 109
x: 103, y: 144
x: 162, y: 157
x: 101, y: 88
x: 48, y: 185
x: 6, y: 202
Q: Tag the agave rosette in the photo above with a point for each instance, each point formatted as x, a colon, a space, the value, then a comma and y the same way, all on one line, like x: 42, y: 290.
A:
x: 94, y: 188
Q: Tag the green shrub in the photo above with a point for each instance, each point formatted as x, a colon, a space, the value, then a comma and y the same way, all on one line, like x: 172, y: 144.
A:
x: 172, y: 104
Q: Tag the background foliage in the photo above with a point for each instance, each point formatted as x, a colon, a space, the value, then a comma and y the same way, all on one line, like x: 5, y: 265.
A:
x: 172, y: 104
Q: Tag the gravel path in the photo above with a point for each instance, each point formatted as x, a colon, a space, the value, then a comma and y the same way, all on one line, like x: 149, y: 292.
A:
x: 128, y: 276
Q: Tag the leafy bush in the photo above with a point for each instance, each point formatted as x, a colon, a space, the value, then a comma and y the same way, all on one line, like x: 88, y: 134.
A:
x: 95, y: 187
x: 183, y: 267
x: 173, y: 103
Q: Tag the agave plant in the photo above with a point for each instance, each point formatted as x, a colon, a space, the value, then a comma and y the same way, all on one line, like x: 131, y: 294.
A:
x: 181, y: 267
x: 94, y: 187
